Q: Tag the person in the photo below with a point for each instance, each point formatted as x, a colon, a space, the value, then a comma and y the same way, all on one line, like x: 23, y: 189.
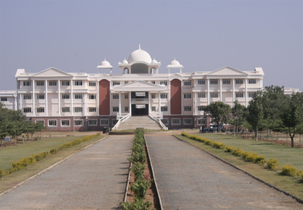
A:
x: 201, y: 129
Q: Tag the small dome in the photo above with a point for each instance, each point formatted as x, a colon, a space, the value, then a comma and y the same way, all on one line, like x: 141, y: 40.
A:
x: 139, y: 56
x: 125, y: 61
x: 154, y: 61
x: 105, y: 63
x: 175, y: 63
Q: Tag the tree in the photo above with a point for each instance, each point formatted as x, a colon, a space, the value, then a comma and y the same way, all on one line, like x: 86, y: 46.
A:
x: 292, y: 115
x: 255, y: 113
x: 220, y: 112
x: 239, y: 114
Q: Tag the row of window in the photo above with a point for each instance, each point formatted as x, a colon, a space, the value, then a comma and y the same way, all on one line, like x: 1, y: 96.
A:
x: 63, y: 109
x: 63, y: 96
x: 186, y: 121
x: 63, y: 83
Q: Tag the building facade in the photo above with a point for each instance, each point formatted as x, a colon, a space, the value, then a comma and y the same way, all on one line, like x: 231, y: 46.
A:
x: 82, y: 101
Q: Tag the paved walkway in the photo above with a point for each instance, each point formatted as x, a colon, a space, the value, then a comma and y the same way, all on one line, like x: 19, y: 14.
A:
x: 92, y: 179
x: 189, y: 178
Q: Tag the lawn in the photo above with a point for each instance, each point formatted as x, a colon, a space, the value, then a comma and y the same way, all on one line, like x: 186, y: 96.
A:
x: 18, y: 152
x: 284, y: 154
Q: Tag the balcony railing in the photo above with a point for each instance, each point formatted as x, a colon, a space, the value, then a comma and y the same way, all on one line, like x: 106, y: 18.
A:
x: 139, y: 99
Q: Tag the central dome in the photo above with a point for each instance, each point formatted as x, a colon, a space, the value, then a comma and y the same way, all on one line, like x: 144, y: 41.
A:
x: 139, y: 56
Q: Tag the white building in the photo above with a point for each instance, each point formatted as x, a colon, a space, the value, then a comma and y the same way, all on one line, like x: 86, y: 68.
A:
x: 82, y: 101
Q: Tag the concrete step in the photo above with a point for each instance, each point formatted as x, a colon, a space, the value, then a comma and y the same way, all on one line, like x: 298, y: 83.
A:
x: 139, y: 122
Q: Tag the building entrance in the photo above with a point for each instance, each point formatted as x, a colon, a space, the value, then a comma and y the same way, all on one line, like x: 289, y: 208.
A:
x: 139, y: 109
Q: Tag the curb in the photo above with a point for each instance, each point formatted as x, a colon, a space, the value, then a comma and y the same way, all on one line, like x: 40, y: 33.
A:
x: 50, y: 167
x: 256, y: 178
x: 152, y: 170
x: 127, y: 182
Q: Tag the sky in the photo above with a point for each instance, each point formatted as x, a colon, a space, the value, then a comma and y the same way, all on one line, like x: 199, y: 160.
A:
x: 201, y: 35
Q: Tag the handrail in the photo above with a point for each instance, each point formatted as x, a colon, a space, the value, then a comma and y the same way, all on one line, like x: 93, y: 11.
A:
x: 122, y: 119
x: 158, y: 120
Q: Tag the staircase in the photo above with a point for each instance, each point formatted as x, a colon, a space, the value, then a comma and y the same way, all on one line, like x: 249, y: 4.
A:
x: 139, y: 122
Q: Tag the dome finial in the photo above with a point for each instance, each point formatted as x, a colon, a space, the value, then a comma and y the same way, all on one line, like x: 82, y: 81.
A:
x: 139, y: 46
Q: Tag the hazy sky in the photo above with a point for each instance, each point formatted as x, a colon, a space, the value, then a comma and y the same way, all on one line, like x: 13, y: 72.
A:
x: 202, y: 35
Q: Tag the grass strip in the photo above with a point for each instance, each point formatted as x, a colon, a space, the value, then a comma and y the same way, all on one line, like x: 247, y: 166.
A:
x: 285, y: 183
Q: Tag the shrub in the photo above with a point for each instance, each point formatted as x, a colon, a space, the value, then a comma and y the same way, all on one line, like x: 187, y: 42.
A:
x: 41, y: 156
x: 139, y: 187
x: 218, y: 145
x: 301, y: 177
x: 259, y: 159
x: 53, y: 151
x: 262, y: 162
x: 2, y: 173
x: 289, y: 170
x: 138, y: 169
x: 272, y: 164
x: 237, y: 152
x: 137, y: 205
x: 230, y: 149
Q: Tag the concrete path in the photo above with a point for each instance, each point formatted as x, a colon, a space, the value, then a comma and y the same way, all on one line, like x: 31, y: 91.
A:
x: 91, y: 179
x: 189, y: 178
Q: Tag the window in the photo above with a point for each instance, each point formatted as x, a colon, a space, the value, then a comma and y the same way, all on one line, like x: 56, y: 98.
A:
x: 39, y: 121
x: 78, y: 109
x: 116, y: 83
x: 115, y: 96
x: 126, y: 109
x: 40, y: 110
x: 165, y: 121
x: 78, y: 96
x: 4, y: 99
x: 200, y: 108
x: 153, y: 95
x: 65, y: 96
x: 163, y: 108
x: 187, y: 121
x: 92, y: 122
x: 163, y: 83
x: 226, y: 81
x: 40, y: 96
x: 187, y: 82
x: 239, y: 95
x: 175, y: 121
x: 104, y: 122
x: 163, y: 95
x: 78, y: 83
x: 52, y: 123
x: 93, y: 96
x: 187, y: 95
x: 201, y: 81
x: 252, y: 81
x: 52, y: 83
x: 201, y: 95
x: 125, y: 95
x: 92, y: 109
x: 125, y: 82
x: 65, y: 83
x: 187, y: 108
x: 239, y: 81
x: 65, y: 123
x: 27, y: 96
x: 213, y: 81
x: 27, y: 110
x: 153, y: 108
x: 115, y: 109
x: 40, y: 83
x: 91, y: 83
x: 201, y: 121
x: 26, y: 83
x: 250, y: 95
x: 78, y: 123
x: 153, y: 82
x: 214, y: 95
x: 65, y: 109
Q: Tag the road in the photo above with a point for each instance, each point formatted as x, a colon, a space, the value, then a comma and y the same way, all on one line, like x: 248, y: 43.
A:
x: 189, y: 178
x: 94, y: 178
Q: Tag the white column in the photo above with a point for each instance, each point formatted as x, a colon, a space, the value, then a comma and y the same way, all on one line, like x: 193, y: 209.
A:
x: 182, y: 98
x: 130, y: 103
x: 169, y: 98
x: 15, y: 103
x: 195, y: 104
x: 59, y: 108
x: 85, y: 104
x: 71, y: 98
x: 208, y: 94
x: 261, y: 83
x: 18, y: 102
x: 149, y: 103
x: 159, y: 104
x: 98, y: 101
x: 46, y: 100
x: 119, y: 104
x: 245, y: 92
x: 33, y: 98
x: 220, y: 89
x: 233, y: 90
